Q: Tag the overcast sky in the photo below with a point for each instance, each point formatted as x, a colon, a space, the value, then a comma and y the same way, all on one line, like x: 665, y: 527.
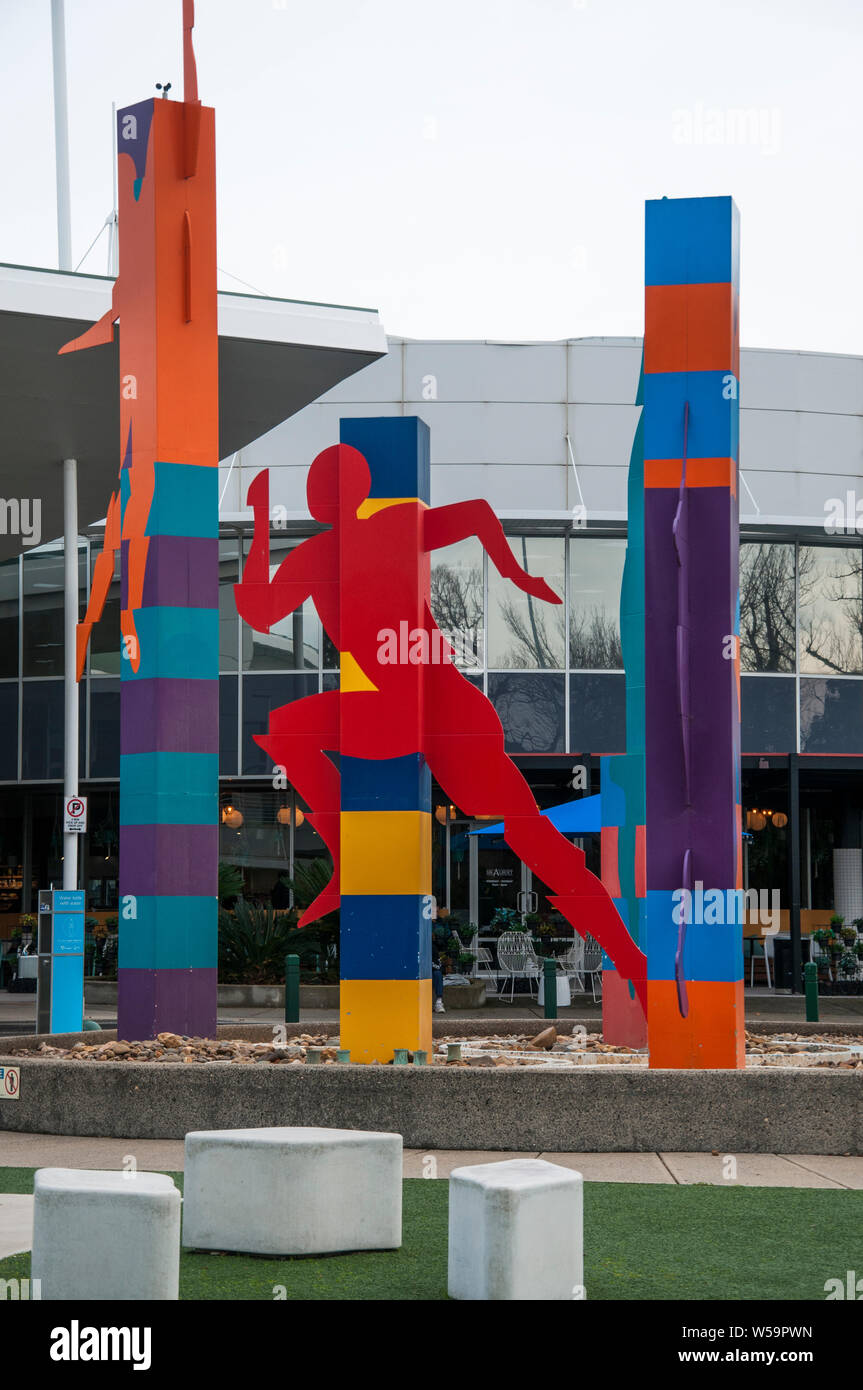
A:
x: 474, y: 168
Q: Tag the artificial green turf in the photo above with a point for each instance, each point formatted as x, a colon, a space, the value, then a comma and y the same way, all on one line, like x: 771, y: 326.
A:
x: 642, y: 1241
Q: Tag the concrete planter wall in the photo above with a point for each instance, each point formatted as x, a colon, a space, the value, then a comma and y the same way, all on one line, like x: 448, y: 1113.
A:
x: 104, y: 993
x: 601, y: 1111
x: 464, y: 996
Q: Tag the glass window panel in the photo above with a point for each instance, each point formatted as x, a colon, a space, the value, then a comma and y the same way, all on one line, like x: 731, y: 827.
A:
x: 531, y: 709
x: 831, y: 716
x: 229, y: 561
x: 8, y: 731
x: 831, y: 609
x: 768, y: 716
x: 456, y: 599
x: 597, y: 714
x: 104, y: 728
x: 293, y: 644
x: 105, y: 637
x: 767, y: 852
x: 255, y: 838
x: 766, y: 606
x: 43, y: 610
x: 9, y: 618
x: 821, y: 844
x: 595, y: 576
x: 11, y: 866
x: 101, y: 866
x: 261, y: 694
x: 330, y: 654
x: 524, y: 632
x: 42, y: 729
x: 228, y: 726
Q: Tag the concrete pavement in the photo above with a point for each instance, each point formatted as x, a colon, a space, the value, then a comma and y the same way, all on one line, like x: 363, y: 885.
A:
x: 166, y: 1155
x: 746, y: 1170
x: 761, y: 1007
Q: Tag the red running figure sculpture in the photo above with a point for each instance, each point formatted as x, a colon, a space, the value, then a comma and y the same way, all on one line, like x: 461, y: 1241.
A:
x: 378, y: 549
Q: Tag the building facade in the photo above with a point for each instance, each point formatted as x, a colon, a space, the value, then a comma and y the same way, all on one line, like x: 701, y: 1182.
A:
x: 543, y: 431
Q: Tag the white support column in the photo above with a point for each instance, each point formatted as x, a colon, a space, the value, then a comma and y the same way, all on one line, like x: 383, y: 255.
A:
x: 61, y: 136
x: 70, y: 688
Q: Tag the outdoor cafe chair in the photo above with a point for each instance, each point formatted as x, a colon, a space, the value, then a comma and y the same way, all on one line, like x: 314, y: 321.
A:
x: 592, y: 966
x: 572, y: 962
x: 518, y: 960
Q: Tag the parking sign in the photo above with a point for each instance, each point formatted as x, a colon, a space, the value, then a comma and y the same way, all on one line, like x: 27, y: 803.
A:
x: 75, y: 814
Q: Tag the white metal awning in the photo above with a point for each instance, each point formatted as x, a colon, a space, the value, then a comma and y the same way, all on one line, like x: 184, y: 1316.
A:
x: 275, y: 357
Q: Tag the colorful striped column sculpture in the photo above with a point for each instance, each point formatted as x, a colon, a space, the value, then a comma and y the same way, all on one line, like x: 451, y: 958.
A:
x: 164, y: 520
x: 385, y: 819
x: 169, y: 573
x: 692, y: 674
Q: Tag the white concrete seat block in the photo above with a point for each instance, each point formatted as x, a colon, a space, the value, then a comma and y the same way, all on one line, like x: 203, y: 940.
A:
x: 106, y: 1235
x: 515, y: 1231
x: 292, y: 1191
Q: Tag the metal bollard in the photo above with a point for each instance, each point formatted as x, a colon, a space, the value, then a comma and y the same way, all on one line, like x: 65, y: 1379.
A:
x: 344, y: 1054
x: 420, y: 1059
x: 400, y: 1057
x: 549, y: 980
x: 810, y: 976
x: 292, y: 989
x: 453, y: 1052
x: 313, y: 1055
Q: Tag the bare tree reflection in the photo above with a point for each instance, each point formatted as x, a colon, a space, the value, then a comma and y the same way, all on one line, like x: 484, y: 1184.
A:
x: 831, y: 609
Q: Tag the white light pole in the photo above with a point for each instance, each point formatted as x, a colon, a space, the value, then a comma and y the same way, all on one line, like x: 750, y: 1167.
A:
x: 61, y: 136
x: 70, y: 466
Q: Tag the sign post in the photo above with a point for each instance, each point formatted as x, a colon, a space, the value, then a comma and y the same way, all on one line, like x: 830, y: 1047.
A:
x: 60, y: 978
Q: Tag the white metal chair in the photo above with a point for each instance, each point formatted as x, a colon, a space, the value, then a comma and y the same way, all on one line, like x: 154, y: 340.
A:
x: 592, y: 966
x: 572, y: 963
x: 518, y: 960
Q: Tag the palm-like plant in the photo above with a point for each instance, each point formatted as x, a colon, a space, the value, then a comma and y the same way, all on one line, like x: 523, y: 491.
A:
x: 253, y: 941
x: 230, y: 881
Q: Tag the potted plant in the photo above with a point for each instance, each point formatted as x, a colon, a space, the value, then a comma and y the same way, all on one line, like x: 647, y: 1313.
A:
x: 848, y: 934
x: 507, y: 919
x: 848, y: 966
x: 28, y: 926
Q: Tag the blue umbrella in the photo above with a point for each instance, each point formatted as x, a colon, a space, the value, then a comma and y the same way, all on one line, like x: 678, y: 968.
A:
x: 570, y: 818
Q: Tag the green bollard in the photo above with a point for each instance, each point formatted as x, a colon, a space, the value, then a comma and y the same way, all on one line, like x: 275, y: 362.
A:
x: 810, y: 975
x: 400, y: 1057
x: 313, y: 1056
x: 292, y: 989
x: 420, y: 1059
x: 344, y: 1054
x: 549, y: 979
x: 453, y: 1052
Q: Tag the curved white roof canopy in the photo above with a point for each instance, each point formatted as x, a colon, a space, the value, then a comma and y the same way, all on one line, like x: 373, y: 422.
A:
x: 275, y: 357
